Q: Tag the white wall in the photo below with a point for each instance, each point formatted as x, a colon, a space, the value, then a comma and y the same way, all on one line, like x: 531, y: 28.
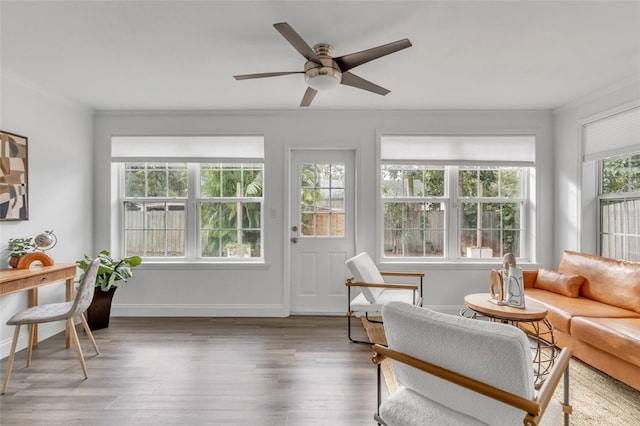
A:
x: 575, y: 208
x: 217, y: 291
x: 60, y: 186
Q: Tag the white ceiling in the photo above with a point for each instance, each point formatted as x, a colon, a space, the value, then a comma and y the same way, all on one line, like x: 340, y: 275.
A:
x: 182, y: 54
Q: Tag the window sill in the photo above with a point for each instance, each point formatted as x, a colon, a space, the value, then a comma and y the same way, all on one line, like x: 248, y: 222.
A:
x: 454, y: 264
x: 200, y: 265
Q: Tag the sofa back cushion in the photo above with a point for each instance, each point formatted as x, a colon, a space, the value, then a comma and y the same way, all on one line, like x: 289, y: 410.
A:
x: 611, y: 281
x: 565, y: 284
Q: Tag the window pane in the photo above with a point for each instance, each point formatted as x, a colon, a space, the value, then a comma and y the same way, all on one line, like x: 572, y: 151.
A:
x: 177, y: 180
x: 322, y: 200
x: 489, y: 180
x: 231, y: 229
x: 252, y: 179
x: 483, y: 182
x: 210, y: 180
x: 412, y: 181
x: 414, y: 229
x: 251, y: 215
x: 154, y: 229
x: 135, y: 180
x: 620, y: 217
x: 158, y: 227
x: 308, y: 223
x: 228, y: 215
x: 621, y: 174
x: 231, y: 181
x: 510, y: 182
x: 156, y: 180
x: 490, y: 229
x: 468, y: 182
x: 620, y: 228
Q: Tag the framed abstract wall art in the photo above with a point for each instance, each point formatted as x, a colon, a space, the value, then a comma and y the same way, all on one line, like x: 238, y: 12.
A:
x: 14, y: 169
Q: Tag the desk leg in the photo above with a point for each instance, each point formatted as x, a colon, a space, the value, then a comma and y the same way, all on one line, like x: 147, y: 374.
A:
x: 69, y: 298
x: 33, y: 301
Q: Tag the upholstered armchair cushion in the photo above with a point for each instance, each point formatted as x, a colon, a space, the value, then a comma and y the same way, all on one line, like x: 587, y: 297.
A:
x: 365, y: 271
x: 493, y: 353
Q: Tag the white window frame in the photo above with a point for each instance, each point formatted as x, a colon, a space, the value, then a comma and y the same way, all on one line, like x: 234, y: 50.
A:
x: 452, y: 156
x: 615, y: 196
x: 606, y: 134
x: 192, y: 150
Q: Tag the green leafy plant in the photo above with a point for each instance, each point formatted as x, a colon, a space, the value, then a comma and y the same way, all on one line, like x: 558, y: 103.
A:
x: 18, y: 247
x: 111, y: 270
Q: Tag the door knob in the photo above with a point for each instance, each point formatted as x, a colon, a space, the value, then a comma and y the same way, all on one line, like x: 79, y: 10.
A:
x: 294, y: 240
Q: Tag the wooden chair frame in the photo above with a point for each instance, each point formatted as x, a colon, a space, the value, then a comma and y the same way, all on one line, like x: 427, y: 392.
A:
x: 413, y: 287
x: 534, y: 408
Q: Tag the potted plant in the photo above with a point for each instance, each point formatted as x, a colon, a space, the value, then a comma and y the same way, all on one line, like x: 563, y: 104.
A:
x: 18, y: 247
x: 111, y: 271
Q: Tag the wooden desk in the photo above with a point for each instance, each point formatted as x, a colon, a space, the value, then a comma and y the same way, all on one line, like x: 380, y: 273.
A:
x: 15, y: 280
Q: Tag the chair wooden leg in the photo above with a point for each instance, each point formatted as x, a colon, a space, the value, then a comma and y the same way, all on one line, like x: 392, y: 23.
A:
x: 32, y: 333
x: 87, y: 330
x: 76, y: 342
x: 12, y: 355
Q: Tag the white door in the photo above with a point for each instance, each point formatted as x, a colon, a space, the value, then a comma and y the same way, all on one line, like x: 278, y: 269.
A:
x: 321, y: 229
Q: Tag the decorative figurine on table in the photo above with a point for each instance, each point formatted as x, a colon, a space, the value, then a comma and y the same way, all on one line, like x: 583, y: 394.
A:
x: 506, y: 286
x: 41, y: 243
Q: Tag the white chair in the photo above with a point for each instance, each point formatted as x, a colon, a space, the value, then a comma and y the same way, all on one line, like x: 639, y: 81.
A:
x: 458, y: 371
x: 57, y: 312
x: 374, y: 291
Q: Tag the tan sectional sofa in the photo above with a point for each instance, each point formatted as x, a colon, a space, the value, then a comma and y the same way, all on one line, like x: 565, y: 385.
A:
x: 594, y: 306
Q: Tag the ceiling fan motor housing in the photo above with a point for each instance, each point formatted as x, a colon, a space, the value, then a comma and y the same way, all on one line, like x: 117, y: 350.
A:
x: 325, y: 76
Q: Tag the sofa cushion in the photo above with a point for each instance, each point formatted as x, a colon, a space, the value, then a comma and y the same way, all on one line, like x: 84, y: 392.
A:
x: 618, y: 336
x: 566, y: 284
x: 562, y: 308
x: 615, y: 282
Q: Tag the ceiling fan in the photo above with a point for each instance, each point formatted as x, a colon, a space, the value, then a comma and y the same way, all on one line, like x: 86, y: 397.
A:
x: 322, y: 71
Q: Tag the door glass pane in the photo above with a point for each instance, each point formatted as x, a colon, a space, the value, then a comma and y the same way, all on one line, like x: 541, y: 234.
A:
x: 322, y: 199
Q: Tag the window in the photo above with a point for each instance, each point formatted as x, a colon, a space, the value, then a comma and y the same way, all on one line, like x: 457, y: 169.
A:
x: 458, y: 197
x: 619, y: 207
x: 414, y: 210
x: 611, y: 182
x: 154, y: 206
x: 322, y: 199
x: 207, y: 208
x: 491, y: 210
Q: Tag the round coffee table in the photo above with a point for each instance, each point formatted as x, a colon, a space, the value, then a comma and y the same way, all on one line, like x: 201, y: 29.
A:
x: 531, y: 319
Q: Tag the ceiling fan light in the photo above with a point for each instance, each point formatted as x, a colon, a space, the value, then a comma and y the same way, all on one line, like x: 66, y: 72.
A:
x: 322, y: 78
x: 323, y: 82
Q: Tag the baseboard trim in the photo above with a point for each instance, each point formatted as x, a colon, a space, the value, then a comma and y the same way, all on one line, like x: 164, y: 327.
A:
x: 45, y: 331
x: 191, y: 310
x: 212, y: 310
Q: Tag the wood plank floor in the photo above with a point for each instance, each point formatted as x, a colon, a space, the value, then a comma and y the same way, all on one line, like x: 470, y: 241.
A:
x: 199, y: 371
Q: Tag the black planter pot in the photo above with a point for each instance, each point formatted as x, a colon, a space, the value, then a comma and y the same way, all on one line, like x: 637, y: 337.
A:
x: 99, y: 310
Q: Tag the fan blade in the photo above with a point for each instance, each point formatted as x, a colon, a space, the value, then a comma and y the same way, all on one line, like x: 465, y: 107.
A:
x: 360, y: 83
x: 265, y: 74
x: 308, y: 97
x: 352, y: 60
x: 297, y: 42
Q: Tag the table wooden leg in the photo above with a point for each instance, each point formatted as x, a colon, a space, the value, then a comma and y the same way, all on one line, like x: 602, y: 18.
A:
x: 33, y: 301
x: 69, y: 298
